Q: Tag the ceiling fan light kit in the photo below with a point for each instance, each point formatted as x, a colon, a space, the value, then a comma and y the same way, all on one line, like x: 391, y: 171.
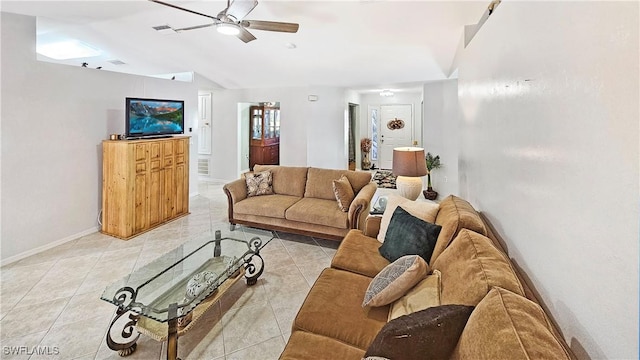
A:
x: 228, y: 29
x: 230, y: 21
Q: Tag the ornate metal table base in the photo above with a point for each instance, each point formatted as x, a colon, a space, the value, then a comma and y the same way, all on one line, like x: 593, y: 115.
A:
x: 126, y: 300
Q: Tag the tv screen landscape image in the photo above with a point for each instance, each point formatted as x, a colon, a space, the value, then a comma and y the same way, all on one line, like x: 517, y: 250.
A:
x: 153, y: 117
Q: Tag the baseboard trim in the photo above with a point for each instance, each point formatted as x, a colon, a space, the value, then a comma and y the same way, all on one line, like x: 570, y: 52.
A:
x: 48, y: 246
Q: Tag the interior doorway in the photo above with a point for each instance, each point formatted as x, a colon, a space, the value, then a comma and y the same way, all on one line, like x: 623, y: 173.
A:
x: 396, y: 130
x: 353, y: 120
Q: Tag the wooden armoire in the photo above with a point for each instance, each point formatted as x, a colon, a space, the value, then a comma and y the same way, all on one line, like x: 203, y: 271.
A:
x: 264, y: 135
x: 145, y: 183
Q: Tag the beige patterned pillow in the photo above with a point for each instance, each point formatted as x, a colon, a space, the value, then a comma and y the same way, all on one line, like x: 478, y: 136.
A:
x: 259, y: 183
x: 395, y: 280
x: 344, y: 193
x: 423, y: 296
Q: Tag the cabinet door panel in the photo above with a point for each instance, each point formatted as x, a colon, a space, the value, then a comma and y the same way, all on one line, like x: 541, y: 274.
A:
x: 169, y: 193
x: 140, y: 206
x: 180, y: 190
x: 155, y: 197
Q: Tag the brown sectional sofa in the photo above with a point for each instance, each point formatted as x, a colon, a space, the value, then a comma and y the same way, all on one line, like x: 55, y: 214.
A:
x: 303, y: 202
x: 507, y: 322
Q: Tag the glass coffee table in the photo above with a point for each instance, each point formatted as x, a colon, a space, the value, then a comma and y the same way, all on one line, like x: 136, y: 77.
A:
x: 167, y: 297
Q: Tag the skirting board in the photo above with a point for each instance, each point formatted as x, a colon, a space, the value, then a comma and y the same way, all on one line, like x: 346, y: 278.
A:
x: 48, y: 246
x: 51, y: 245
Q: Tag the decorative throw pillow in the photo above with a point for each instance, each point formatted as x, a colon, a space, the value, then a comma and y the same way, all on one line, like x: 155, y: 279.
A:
x: 427, y: 334
x: 422, y: 296
x: 259, y: 183
x: 408, y: 235
x: 424, y: 210
x: 344, y: 192
x: 394, y: 280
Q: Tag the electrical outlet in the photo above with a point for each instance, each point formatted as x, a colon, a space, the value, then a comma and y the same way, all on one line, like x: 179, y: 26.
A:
x: 445, y: 179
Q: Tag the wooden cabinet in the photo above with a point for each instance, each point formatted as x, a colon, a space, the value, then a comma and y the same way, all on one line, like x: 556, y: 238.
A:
x: 264, y: 136
x: 145, y: 183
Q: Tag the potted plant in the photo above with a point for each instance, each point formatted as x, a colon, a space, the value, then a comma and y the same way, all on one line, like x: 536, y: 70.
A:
x: 365, y: 147
x: 433, y: 162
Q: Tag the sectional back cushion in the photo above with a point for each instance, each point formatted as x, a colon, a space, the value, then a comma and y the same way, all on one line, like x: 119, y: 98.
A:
x: 470, y: 267
x: 455, y: 214
x: 507, y: 325
x: 320, y: 182
x: 287, y: 180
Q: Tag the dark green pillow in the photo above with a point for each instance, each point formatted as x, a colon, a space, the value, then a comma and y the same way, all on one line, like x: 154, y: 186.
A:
x: 432, y: 333
x: 409, y: 235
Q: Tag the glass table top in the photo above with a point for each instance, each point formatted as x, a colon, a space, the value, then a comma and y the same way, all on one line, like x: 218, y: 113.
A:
x: 202, y: 264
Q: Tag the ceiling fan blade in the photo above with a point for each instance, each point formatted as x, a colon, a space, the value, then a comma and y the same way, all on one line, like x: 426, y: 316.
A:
x: 271, y: 26
x: 244, y: 35
x: 183, y: 9
x: 238, y: 9
x: 195, y: 27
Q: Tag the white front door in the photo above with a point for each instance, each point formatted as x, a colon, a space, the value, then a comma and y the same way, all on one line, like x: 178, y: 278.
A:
x: 204, y: 122
x: 397, y: 137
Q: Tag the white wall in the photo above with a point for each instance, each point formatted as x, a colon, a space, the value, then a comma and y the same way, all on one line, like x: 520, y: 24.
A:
x: 311, y: 133
x: 54, y: 120
x: 549, y: 151
x: 440, y: 133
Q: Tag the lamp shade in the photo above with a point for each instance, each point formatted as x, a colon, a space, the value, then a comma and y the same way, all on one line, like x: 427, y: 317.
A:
x: 409, y: 161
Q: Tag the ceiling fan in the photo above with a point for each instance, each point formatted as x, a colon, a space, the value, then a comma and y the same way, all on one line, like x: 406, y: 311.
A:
x: 231, y: 21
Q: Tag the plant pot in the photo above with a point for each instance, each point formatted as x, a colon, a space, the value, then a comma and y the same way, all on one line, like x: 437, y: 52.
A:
x: 429, y: 194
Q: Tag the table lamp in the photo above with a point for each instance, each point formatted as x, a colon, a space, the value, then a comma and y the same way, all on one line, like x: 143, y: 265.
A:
x: 409, y: 165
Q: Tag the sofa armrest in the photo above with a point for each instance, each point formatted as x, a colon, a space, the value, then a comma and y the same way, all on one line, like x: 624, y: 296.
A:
x: 236, y: 191
x: 372, y: 226
x: 359, y: 209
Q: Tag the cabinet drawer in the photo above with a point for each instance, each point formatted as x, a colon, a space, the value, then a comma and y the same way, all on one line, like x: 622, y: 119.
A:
x: 155, y: 164
x: 141, y: 152
x: 168, y: 162
x: 141, y: 167
x: 180, y: 159
x: 168, y: 148
x: 155, y: 150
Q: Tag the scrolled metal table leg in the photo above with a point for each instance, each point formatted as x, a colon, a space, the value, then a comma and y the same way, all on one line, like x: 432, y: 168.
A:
x: 128, y: 347
x: 254, y: 268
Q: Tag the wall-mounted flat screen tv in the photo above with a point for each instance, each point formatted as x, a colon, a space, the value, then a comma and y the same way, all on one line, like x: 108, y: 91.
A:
x: 154, y: 117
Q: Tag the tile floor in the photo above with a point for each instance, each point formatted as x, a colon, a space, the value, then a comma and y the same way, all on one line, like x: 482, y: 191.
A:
x: 51, y: 300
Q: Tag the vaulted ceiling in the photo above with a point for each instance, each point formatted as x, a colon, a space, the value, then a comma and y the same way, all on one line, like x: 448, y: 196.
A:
x: 354, y: 44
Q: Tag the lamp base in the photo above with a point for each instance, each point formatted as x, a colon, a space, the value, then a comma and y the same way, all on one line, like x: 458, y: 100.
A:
x: 409, y: 187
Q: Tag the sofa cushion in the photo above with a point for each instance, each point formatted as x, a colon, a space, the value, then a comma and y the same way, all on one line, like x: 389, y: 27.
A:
x: 319, y: 182
x: 287, y: 180
x: 427, y: 334
x: 332, y: 308
x: 455, y: 214
x: 505, y: 325
x: 259, y: 183
x: 343, y: 192
x: 426, y: 211
x: 471, y: 266
x: 304, y: 345
x: 266, y: 205
x: 318, y: 211
x: 395, y: 280
x: 359, y: 254
x: 424, y: 295
x: 408, y: 235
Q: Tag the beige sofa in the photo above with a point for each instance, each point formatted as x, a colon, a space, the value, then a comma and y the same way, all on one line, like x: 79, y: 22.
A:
x: 303, y: 202
x: 506, y: 323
